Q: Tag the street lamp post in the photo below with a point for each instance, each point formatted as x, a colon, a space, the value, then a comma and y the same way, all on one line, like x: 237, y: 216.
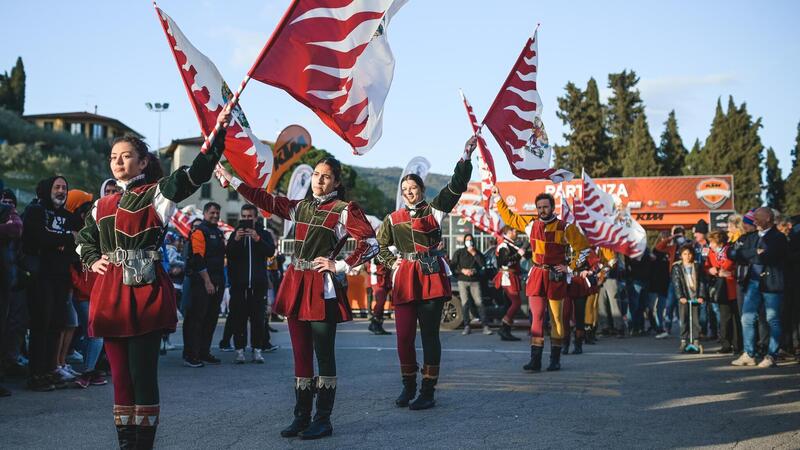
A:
x: 157, y: 108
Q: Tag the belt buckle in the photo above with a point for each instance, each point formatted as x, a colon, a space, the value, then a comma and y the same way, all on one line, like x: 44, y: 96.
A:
x: 120, y: 255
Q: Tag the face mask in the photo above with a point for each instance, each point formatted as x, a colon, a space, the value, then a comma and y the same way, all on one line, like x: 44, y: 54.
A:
x: 681, y: 240
x: 468, y: 244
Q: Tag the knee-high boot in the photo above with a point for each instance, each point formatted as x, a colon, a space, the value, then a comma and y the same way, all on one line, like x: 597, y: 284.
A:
x: 555, y: 358
x: 303, y: 400
x: 535, y: 364
x: 126, y: 430
x: 147, y: 423
x: 321, y: 425
x: 409, y: 374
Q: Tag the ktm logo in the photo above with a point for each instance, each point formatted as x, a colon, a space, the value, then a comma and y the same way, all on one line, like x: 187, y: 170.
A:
x: 713, y: 192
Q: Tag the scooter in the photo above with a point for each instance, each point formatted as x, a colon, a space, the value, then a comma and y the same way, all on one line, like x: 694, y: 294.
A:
x: 691, y: 347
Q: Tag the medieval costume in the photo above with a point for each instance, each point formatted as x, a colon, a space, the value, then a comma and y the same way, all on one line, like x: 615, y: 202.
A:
x: 381, y: 283
x: 507, y: 280
x: 546, y: 287
x: 420, y: 283
x: 313, y: 301
x: 133, y: 302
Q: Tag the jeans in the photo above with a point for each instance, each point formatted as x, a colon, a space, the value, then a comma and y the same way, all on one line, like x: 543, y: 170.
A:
x: 468, y: 289
x: 753, y: 299
x: 636, y: 304
x: 670, y: 304
x: 656, y: 305
x: 90, y: 347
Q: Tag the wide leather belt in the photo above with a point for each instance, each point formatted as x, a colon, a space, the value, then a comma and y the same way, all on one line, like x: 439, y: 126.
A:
x: 302, y: 264
x: 418, y: 256
x: 119, y: 256
x: 543, y: 266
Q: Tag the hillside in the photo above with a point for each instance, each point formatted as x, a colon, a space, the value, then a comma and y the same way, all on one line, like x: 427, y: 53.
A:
x: 386, y: 179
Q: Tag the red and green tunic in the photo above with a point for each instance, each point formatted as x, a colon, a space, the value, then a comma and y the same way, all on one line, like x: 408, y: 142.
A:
x: 418, y: 229
x: 135, y: 220
x: 509, y: 270
x: 320, y: 224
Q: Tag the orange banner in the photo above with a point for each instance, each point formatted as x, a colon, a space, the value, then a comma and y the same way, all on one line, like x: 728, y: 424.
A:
x: 293, y: 142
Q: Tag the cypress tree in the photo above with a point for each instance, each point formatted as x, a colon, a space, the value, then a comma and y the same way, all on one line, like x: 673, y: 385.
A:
x: 793, y: 180
x: 624, y: 106
x: 671, y: 152
x: 741, y: 153
x: 17, y: 87
x: 587, y: 142
x: 694, y: 160
x: 640, y: 159
x: 776, y: 193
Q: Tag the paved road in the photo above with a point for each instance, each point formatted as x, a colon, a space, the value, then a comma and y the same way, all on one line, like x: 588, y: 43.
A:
x: 622, y: 393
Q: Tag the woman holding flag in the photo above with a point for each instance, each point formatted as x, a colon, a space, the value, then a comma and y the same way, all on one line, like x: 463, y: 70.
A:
x: 420, y: 281
x: 507, y: 279
x: 133, y: 303
x: 310, y: 297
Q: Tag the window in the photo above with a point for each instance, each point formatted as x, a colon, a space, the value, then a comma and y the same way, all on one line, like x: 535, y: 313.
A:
x: 233, y: 196
x: 98, y: 131
x: 48, y: 125
x: 232, y: 219
x: 205, y: 191
x: 76, y: 128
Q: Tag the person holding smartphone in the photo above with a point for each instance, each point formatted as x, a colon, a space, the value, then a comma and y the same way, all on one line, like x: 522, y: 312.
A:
x: 247, y: 251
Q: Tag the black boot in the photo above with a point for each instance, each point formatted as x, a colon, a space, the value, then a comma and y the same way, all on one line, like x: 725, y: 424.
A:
x: 566, y: 342
x: 409, y: 390
x: 145, y: 437
x: 303, y: 399
x: 578, y: 342
x: 321, y: 425
x: 425, y: 400
x: 555, y: 359
x: 505, y: 333
x: 377, y: 327
x: 126, y: 435
x: 535, y: 364
x: 147, y: 419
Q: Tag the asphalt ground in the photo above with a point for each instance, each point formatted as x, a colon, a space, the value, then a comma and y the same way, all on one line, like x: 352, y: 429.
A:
x: 621, y: 393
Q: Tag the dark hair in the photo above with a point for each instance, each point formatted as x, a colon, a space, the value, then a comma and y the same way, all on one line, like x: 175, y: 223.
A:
x: 416, y: 179
x: 546, y: 196
x: 336, y: 168
x: 688, y: 246
x: 249, y: 207
x: 210, y: 205
x: 152, y: 172
x: 9, y: 194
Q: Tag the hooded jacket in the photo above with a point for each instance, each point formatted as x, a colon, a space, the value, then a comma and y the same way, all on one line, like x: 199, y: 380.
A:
x: 47, y: 241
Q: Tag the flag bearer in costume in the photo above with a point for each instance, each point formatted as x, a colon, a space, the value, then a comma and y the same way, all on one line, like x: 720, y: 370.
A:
x: 582, y: 284
x: 310, y: 296
x: 606, y: 260
x: 507, y: 279
x: 381, y: 282
x: 547, y: 281
x: 133, y: 303
x: 420, y: 281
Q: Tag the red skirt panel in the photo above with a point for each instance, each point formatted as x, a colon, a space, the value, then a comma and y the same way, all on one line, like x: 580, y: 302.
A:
x: 578, y: 288
x: 301, y: 296
x: 410, y: 284
x: 116, y: 310
x: 540, y: 285
x: 515, y: 285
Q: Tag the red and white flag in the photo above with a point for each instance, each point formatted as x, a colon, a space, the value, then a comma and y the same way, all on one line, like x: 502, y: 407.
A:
x: 182, y: 220
x: 485, y: 160
x: 566, y: 212
x: 516, y: 123
x: 334, y: 57
x: 615, y: 230
x: 250, y: 158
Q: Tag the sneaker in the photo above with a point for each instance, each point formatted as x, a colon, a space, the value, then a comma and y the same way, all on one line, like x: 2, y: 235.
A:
x: 83, y: 381
x: 767, y: 362
x: 269, y: 348
x: 98, y: 379
x: 487, y: 331
x: 211, y: 360
x: 744, y: 360
x: 223, y: 347
x: 65, y: 374
x: 191, y: 362
x: 40, y: 383
x: 257, y: 358
x: 239, y: 356
x: 71, y: 371
x: 682, y: 347
x: 662, y: 335
x: 466, y: 331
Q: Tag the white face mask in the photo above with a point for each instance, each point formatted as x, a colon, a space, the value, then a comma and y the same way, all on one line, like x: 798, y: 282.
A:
x: 468, y: 244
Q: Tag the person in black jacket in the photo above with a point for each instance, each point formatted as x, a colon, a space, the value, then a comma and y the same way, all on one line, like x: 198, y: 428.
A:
x: 48, y: 245
x: 690, y: 285
x: 764, y: 285
x: 247, y: 251
x: 467, y: 263
x: 791, y: 300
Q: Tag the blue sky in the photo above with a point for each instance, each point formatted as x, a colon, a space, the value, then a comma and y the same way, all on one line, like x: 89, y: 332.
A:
x: 687, y: 53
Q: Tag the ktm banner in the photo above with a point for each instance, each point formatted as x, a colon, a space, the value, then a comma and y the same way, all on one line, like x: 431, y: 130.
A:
x: 655, y: 202
x: 293, y: 142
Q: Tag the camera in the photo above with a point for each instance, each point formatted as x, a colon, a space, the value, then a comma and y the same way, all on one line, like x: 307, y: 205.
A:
x: 246, y: 224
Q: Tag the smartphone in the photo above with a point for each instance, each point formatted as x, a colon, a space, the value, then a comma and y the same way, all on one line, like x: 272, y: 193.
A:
x: 246, y: 224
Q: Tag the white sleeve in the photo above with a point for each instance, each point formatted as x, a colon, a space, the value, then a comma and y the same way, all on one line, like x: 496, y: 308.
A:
x: 438, y: 215
x: 164, y: 207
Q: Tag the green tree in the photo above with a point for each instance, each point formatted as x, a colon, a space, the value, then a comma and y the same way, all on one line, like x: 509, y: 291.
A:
x: 624, y: 106
x: 793, y: 180
x: 588, y: 145
x: 16, y: 84
x: 640, y: 159
x: 776, y: 189
x: 671, y: 152
x: 693, y: 160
